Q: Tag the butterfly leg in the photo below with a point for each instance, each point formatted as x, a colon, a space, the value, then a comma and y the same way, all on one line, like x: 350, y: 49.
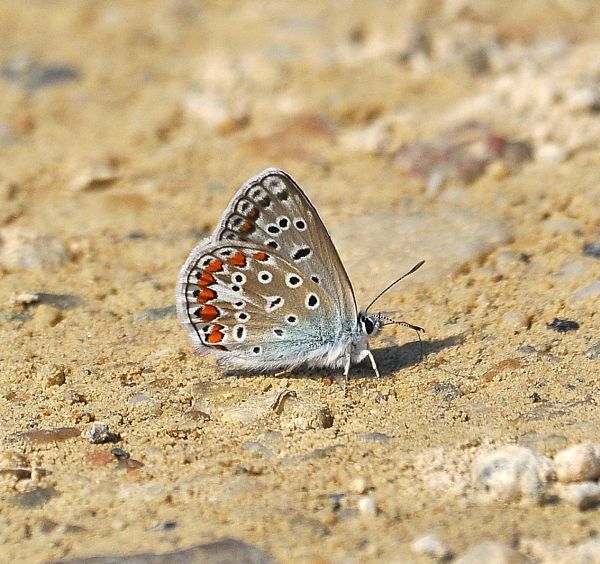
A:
x: 373, y: 363
x: 346, y: 371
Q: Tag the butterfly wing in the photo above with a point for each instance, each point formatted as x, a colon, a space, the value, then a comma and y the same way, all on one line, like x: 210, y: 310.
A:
x: 302, y: 311
x: 255, y: 308
x: 271, y: 210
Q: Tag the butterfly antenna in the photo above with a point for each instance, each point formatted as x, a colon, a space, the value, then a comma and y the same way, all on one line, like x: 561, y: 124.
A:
x: 418, y: 330
x: 390, y: 286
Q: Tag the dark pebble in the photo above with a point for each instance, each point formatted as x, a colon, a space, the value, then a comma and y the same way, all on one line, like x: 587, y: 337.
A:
x: 32, y: 76
x: 130, y: 464
x: 134, y: 235
x: 59, y: 301
x: 527, y: 349
x: 220, y: 552
x: 450, y: 391
x: 535, y: 397
x: 592, y: 250
x: 119, y: 453
x: 375, y: 437
x: 155, y: 313
x: 14, y: 316
x: 562, y: 325
x: 169, y: 525
x: 35, y: 498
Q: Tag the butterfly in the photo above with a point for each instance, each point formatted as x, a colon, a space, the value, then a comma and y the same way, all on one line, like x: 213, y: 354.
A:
x: 268, y: 291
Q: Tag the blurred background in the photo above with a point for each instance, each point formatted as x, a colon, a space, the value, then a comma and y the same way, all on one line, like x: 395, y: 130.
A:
x: 462, y: 132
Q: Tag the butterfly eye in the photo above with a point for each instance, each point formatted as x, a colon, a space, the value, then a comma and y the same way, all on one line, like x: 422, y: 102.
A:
x: 368, y: 325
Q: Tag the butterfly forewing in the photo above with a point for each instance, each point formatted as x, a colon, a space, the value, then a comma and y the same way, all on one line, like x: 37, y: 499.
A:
x: 271, y: 210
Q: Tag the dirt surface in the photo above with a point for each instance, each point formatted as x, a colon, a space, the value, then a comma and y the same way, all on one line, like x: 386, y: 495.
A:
x: 456, y: 132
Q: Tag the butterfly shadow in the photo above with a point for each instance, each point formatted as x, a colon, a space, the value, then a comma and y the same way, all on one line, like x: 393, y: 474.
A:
x: 396, y: 357
x: 389, y: 360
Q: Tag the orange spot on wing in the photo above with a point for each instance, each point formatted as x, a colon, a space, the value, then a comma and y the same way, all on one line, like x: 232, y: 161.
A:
x: 259, y: 255
x: 238, y: 259
x: 216, y: 336
x: 252, y: 214
x: 246, y: 226
x: 205, y: 295
x: 206, y: 279
x: 208, y: 313
x: 215, y: 265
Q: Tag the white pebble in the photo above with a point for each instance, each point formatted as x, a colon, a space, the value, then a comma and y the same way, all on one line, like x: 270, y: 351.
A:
x: 584, y: 495
x: 431, y: 545
x: 551, y: 153
x: 513, y: 472
x: 578, y: 463
x: 359, y: 485
x: 366, y: 505
x: 21, y: 249
x: 581, y: 100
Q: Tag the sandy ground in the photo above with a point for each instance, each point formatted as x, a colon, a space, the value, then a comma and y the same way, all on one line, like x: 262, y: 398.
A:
x: 456, y: 132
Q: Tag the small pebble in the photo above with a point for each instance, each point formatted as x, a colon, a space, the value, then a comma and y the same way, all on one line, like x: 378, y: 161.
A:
x: 375, y: 437
x: 45, y: 436
x: 584, y: 495
x: 214, y: 112
x: 54, y: 374
x: 578, y: 463
x: 551, y: 153
x: 593, y: 352
x: 491, y: 552
x: 513, y: 472
x: 21, y: 249
x: 516, y: 320
x: 592, y: 250
x: 73, y: 396
x: 119, y: 453
x: 46, y: 316
x: 562, y: 325
x: 367, y: 506
x: 582, y: 100
x: 98, y: 433
x: 359, y: 485
x: 431, y: 546
x: 93, y: 177
x: 35, y: 498
x: 591, y: 291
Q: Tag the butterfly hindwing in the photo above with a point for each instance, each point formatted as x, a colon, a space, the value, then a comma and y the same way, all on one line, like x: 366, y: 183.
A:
x: 253, y: 306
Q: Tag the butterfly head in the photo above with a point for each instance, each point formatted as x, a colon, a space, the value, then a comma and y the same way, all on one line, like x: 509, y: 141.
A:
x: 370, y: 324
